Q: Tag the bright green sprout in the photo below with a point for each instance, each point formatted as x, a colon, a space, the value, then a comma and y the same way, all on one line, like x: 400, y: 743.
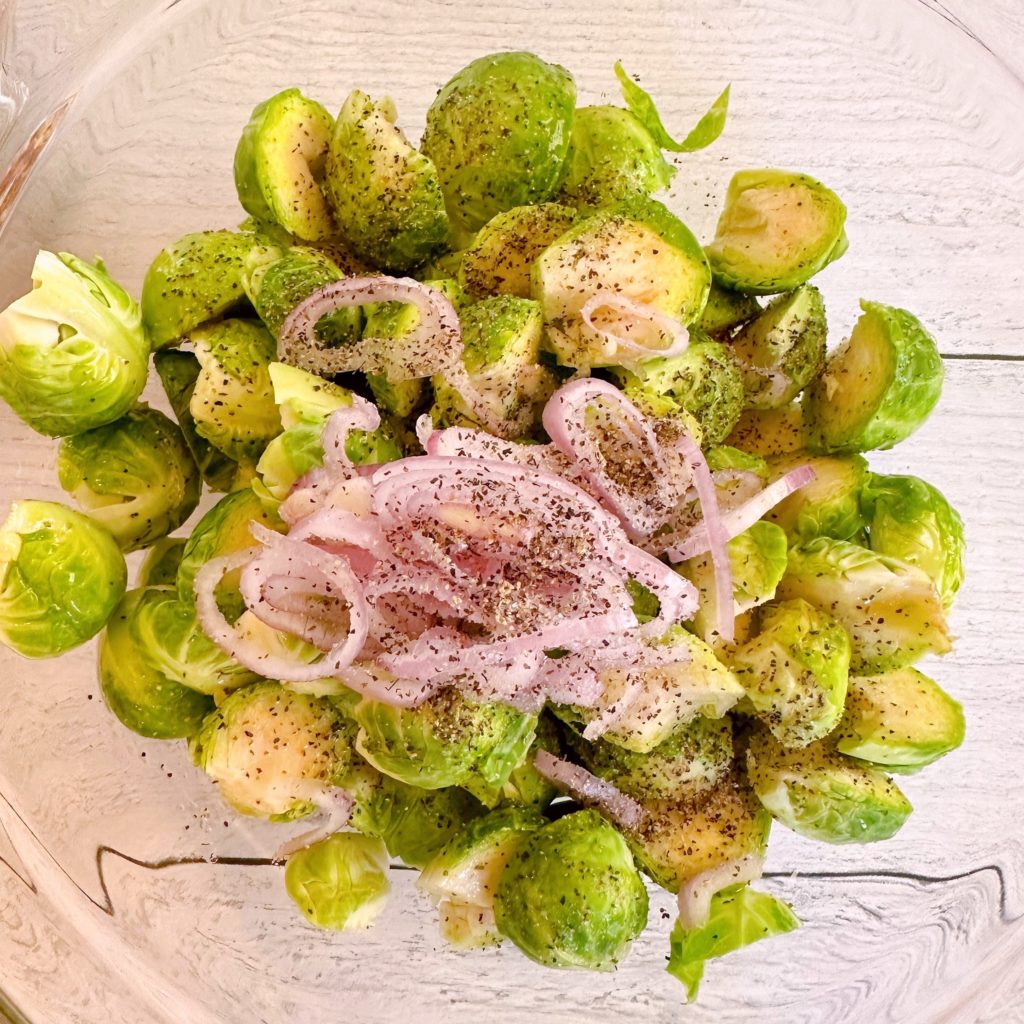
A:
x: 828, y: 506
x: 160, y: 566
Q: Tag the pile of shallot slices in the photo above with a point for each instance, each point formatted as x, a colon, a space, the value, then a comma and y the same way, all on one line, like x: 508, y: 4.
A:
x: 500, y: 568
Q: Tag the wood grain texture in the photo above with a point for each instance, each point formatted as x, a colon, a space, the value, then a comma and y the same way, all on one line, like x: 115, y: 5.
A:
x: 916, y: 123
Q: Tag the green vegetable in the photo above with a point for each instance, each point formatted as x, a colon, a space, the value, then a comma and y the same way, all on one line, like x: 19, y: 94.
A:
x: 890, y: 609
x: 901, y: 721
x: 160, y: 566
x: 768, y: 432
x: 823, y: 795
x: 446, y: 741
x: 740, y: 916
x: 461, y: 879
x: 135, y: 476
x: 61, y: 576
x: 198, y: 278
x: 132, y: 668
x: 613, y: 156
x: 878, y: 387
x: 526, y: 787
x: 499, y: 134
x: 386, y: 196
x: 783, y: 349
x: 725, y: 311
x: 340, y: 882
x: 571, y: 896
x: 270, y: 750
x: 72, y: 352
x: 703, y: 133
x: 911, y: 520
x: 279, y: 164
x: 233, y: 403
x: 723, y: 457
x: 828, y: 506
x: 777, y: 230
x: 795, y: 672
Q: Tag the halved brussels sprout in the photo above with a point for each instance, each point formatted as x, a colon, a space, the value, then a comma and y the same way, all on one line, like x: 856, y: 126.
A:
x: 61, y: 576
x: 196, y: 279
x: 386, y: 196
x: 509, y: 387
x: 823, y: 795
x: 723, y: 458
x: 890, y: 609
x: 911, y: 520
x: 178, y: 373
x: 901, y: 721
x: 695, y: 758
x: 783, y: 349
x: 704, y: 381
x: 132, y: 670
x: 233, y: 402
x: 636, y: 250
x: 446, y: 741
x: 136, y: 476
x: 725, y: 311
x: 612, y: 157
x: 828, y: 506
x: 680, y: 839
x: 500, y: 258
x: 279, y: 164
x: 571, y: 895
x: 739, y: 917
x: 768, y: 432
x: 526, y: 787
x: 461, y: 879
x: 73, y: 355
x: 499, y: 133
x: 160, y: 566
x: 795, y: 672
x: 270, y: 751
x: 776, y: 231
x: 878, y: 387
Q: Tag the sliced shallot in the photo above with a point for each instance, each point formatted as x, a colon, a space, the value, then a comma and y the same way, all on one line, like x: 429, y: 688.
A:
x: 620, y: 348
x: 588, y: 789
x: 695, y: 895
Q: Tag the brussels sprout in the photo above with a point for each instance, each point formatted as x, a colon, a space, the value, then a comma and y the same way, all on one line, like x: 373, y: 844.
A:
x: 637, y: 250
x: 823, y: 795
x: 612, y: 157
x: 692, y: 760
x: 61, y: 576
x: 704, y: 381
x: 673, y: 695
x: 132, y: 669
x: 386, y: 196
x: 160, y: 566
x: 136, y: 476
x: 571, y: 896
x: 757, y: 558
x: 768, y: 432
x: 740, y: 916
x: 277, y: 280
x: 783, y: 349
x: 279, y: 164
x: 502, y: 337
x: 878, y: 387
x: 72, y: 352
x: 461, y: 879
x: 270, y: 750
x: 828, y: 506
x: 777, y: 230
x: 340, y: 882
x: 890, y: 609
x: 526, y: 786
x: 499, y: 260
x: 795, y: 672
x: 680, y: 839
x: 178, y: 372
x: 223, y: 530
x: 725, y: 311
x: 499, y: 134
x: 911, y: 520
x: 900, y: 720
x: 233, y: 403
x: 723, y: 458
x: 196, y: 279
x: 446, y: 741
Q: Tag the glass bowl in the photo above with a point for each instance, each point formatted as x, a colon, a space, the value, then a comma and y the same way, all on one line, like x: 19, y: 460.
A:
x: 128, y: 893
